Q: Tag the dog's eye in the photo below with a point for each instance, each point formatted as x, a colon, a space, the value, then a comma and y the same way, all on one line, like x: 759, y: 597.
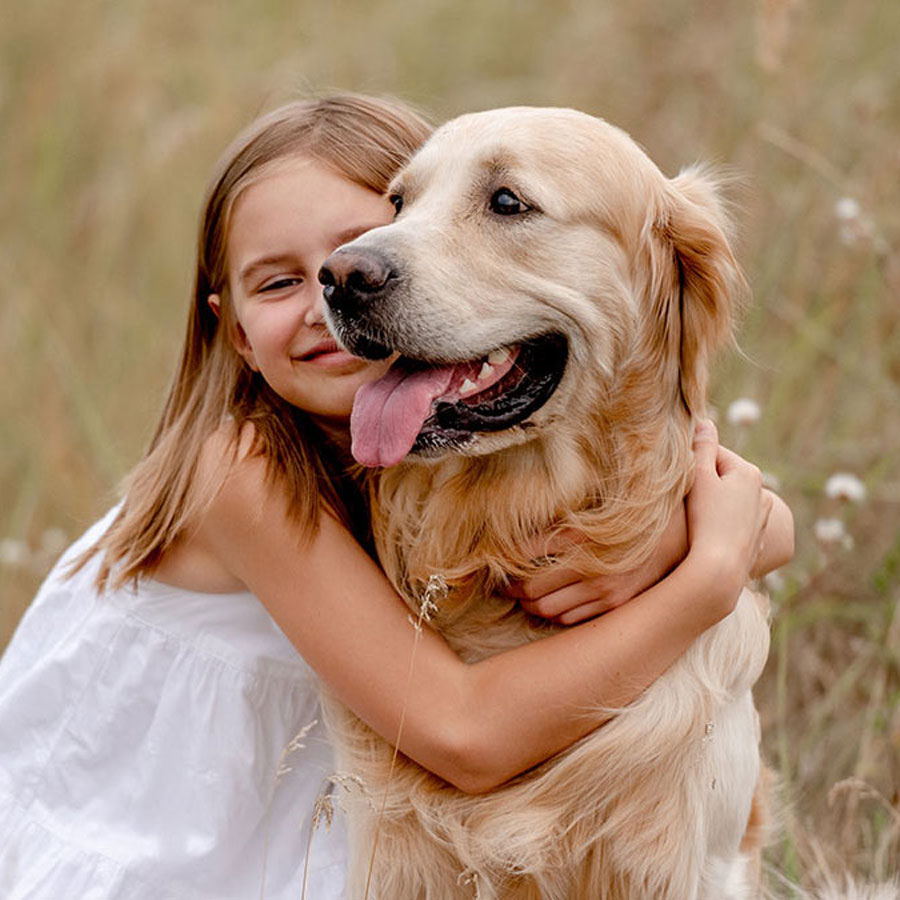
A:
x: 397, y: 202
x: 505, y: 203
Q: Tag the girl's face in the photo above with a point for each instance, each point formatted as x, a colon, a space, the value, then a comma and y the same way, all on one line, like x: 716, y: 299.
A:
x: 282, y: 229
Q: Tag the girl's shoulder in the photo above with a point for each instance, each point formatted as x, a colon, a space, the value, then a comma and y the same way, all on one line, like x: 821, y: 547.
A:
x: 232, y: 471
x: 247, y: 526
x: 233, y: 478
x: 236, y: 475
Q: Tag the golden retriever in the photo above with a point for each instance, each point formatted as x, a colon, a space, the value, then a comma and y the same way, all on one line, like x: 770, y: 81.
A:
x: 555, y: 300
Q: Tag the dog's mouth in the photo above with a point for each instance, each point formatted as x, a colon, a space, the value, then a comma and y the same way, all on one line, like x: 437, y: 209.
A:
x: 426, y: 408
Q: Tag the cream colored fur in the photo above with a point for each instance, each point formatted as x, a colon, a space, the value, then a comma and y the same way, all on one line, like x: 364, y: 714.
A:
x: 635, y: 270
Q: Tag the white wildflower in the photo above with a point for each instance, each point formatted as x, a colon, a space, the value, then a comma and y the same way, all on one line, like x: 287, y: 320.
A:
x: 743, y: 412
x: 13, y: 553
x: 853, y: 226
x: 847, y: 209
x: 831, y: 531
x: 845, y: 486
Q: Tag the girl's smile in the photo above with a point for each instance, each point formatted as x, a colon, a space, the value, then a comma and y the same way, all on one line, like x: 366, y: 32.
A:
x: 328, y: 354
x: 283, y: 226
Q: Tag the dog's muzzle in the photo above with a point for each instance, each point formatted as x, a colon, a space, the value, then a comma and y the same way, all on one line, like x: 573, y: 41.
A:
x: 354, y: 285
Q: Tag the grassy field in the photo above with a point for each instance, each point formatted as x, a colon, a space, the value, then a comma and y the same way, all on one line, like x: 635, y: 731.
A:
x: 113, y: 113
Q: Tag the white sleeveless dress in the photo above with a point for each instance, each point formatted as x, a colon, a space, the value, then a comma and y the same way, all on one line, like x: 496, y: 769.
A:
x: 143, y: 750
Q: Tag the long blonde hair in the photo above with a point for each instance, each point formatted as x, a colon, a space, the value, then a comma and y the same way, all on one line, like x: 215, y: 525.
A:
x: 365, y: 139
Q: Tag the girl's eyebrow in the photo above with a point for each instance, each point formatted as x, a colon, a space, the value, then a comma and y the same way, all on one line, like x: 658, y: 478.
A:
x: 264, y: 262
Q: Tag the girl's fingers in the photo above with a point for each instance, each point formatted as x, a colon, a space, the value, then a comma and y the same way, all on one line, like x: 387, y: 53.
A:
x: 555, y: 576
x: 584, y: 612
x: 542, y: 584
x: 706, y: 444
x: 570, y: 604
x: 553, y: 603
x: 727, y: 461
x: 738, y: 475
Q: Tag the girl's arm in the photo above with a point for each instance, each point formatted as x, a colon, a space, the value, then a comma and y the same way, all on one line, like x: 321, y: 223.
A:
x: 478, y: 725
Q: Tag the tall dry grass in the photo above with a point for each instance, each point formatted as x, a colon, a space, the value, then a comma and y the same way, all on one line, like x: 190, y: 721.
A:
x: 112, y: 114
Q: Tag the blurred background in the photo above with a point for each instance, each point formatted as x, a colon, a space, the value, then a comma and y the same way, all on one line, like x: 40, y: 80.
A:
x: 113, y: 113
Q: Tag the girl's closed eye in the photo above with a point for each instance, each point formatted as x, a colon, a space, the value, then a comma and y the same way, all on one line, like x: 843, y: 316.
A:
x: 280, y: 284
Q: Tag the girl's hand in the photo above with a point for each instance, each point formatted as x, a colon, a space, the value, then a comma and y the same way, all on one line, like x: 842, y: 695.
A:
x: 566, y: 597
x: 727, y: 512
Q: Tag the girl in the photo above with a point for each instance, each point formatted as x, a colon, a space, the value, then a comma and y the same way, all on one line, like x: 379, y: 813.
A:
x: 148, y: 701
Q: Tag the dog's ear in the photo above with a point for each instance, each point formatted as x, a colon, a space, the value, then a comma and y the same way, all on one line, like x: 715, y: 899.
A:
x: 696, y: 286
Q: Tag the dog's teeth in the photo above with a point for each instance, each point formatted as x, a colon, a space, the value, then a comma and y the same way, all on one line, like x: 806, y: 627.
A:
x: 495, y: 357
x: 486, y: 371
x: 467, y: 387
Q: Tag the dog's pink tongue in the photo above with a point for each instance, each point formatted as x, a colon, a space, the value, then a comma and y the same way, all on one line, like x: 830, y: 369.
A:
x: 388, y: 414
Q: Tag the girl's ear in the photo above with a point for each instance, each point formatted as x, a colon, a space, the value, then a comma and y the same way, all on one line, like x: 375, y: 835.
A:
x: 236, y: 333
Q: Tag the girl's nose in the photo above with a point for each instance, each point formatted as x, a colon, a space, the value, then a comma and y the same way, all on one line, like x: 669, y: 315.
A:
x: 315, y: 315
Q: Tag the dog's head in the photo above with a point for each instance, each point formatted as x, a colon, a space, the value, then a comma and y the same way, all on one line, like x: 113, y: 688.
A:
x: 540, y: 266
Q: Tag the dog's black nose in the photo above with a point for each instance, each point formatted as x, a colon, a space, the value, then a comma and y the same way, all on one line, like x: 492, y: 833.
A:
x: 353, y: 278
